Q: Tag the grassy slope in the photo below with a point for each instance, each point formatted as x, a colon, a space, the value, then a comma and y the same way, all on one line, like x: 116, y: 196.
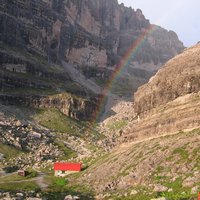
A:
x: 58, y: 122
x: 9, y: 151
x: 158, y: 161
x: 22, y: 186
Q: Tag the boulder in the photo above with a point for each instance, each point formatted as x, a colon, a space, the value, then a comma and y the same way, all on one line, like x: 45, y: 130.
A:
x: 195, y: 190
x: 68, y: 197
x: 160, y: 188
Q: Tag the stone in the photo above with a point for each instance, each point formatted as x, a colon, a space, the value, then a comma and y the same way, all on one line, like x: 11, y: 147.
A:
x: 18, y: 123
x: 19, y: 194
x: 35, y: 135
x: 76, y: 197
x: 133, y: 192
x: 38, y: 195
x: 153, y: 94
x: 170, y: 190
x: 68, y: 197
x: 189, y: 181
x: 1, y: 156
x: 195, y: 190
x: 160, y: 188
x: 6, y: 194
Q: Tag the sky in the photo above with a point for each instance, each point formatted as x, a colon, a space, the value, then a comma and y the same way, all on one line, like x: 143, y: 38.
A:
x: 181, y: 16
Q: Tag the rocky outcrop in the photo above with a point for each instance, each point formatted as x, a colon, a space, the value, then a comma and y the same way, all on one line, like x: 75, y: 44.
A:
x: 180, y: 76
x: 71, y: 106
x: 178, y: 115
x: 169, y: 103
x: 21, y: 195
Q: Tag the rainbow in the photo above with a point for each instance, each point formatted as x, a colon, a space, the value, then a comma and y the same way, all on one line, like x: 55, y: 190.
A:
x: 125, y: 60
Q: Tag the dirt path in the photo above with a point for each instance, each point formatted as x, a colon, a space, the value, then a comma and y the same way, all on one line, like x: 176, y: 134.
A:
x: 127, y: 145
x: 39, y: 180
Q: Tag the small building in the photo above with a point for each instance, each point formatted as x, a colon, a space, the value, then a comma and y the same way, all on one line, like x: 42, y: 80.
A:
x: 21, y: 172
x: 65, y: 168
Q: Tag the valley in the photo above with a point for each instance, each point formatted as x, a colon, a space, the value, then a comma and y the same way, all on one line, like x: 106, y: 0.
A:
x: 93, y: 82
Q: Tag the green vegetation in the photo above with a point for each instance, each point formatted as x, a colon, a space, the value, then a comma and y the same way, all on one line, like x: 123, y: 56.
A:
x: 182, y: 152
x: 59, y: 187
x: 195, y: 155
x: 31, y: 174
x: 179, y: 196
x: 176, y: 185
x: 56, y: 121
x: 117, y: 125
x: 100, y: 82
x: 68, y: 153
x: 178, y: 192
x: 32, y: 91
x: 143, y: 193
x: 9, y: 151
x: 15, y: 177
x: 21, y: 186
x: 122, y: 86
x: 12, y: 177
x: 57, y: 183
x: 61, y: 182
x: 135, y: 197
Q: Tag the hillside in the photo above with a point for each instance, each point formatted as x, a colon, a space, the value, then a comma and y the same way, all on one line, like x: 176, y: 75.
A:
x: 179, y: 77
x: 156, y: 153
x: 166, y: 166
x: 170, y: 101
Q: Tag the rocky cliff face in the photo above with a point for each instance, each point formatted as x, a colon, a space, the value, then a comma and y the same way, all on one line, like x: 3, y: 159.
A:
x: 180, y: 76
x: 83, y: 32
x: 92, y: 36
x: 169, y: 103
x: 71, y: 106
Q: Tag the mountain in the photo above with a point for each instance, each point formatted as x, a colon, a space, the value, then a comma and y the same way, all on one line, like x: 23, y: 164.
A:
x: 78, y: 43
x: 57, y: 57
x: 83, y: 32
x: 157, y: 152
x: 179, y: 77
x: 169, y: 102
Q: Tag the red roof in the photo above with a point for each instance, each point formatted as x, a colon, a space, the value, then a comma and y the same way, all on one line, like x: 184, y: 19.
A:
x: 67, y: 166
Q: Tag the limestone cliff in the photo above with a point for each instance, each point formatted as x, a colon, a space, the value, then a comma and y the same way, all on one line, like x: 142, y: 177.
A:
x: 83, y: 32
x: 91, y: 36
x: 180, y: 76
x: 71, y: 106
x: 169, y: 103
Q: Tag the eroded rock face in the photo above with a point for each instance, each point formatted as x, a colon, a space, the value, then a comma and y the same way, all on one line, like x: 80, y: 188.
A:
x: 83, y: 32
x: 180, y: 76
x: 91, y: 35
x: 76, y: 108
